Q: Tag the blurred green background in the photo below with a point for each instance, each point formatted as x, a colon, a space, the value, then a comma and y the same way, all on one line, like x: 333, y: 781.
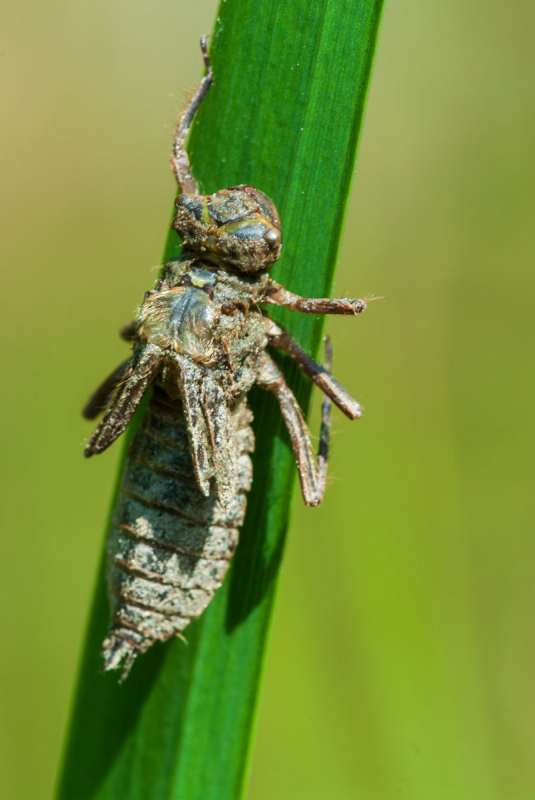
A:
x: 402, y: 658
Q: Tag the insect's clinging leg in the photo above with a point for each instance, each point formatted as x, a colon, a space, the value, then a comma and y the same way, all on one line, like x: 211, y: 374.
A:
x: 325, y: 428
x: 312, y: 473
x: 279, y: 337
x: 99, y: 399
x: 278, y: 295
x: 179, y: 159
x: 139, y: 376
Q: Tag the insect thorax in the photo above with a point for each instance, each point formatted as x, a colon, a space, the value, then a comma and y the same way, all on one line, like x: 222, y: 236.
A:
x: 209, y: 314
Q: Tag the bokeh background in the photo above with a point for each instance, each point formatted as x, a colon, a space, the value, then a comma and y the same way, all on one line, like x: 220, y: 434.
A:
x: 416, y: 678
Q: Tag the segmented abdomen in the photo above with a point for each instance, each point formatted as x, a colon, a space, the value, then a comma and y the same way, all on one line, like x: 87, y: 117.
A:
x: 169, y: 546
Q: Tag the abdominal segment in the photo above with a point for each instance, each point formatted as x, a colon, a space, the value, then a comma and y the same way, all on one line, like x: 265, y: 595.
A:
x: 169, y: 545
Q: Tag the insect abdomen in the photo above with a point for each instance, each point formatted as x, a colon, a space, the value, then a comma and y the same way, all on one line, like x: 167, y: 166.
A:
x: 169, y: 546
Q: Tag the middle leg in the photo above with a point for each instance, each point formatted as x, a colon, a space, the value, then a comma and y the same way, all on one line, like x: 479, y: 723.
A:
x: 281, y: 338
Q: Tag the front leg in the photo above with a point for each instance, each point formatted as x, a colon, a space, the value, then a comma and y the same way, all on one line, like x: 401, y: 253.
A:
x: 179, y: 160
x: 277, y: 295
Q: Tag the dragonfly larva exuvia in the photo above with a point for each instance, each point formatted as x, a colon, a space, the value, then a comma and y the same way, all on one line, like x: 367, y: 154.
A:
x: 200, y: 342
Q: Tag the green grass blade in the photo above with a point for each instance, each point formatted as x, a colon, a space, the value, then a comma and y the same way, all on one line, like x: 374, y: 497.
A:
x: 284, y: 114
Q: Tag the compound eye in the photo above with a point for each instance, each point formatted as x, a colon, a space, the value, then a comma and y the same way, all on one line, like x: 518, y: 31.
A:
x: 273, y: 237
x: 250, y: 244
x: 243, y: 229
x: 251, y: 229
x: 193, y: 203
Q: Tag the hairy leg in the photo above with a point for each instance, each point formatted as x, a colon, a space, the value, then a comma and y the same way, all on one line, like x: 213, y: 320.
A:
x: 279, y: 296
x: 312, y: 473
x: 279, y: 337
x: 179, y: 159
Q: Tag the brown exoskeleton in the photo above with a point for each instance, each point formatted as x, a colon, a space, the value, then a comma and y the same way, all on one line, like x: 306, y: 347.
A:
x: 200, y: 341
